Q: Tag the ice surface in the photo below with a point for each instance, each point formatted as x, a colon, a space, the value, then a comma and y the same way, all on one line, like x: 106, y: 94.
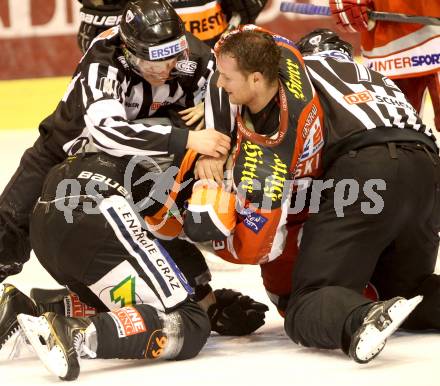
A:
x: 267, y: 357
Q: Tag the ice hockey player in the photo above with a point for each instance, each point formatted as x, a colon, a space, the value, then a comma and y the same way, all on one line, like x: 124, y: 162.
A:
x: 262, y: 97
x: 131, y: 300
x: 370, y: 129
x: 206, y: 19
x: 406, y: 53
x: 160, y: 289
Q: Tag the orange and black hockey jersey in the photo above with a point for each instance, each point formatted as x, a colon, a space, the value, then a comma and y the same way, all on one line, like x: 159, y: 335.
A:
x: 265, y: 166
x: 203, y: 18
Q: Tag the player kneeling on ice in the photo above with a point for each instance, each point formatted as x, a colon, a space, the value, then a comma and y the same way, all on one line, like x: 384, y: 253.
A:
x: 111, y: 263
x: 105, y: 257
x: 372, y: 136
x: 130, y: 298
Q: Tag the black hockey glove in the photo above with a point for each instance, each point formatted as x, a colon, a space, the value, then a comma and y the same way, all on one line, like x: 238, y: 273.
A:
x: 9, y: 270
x: 235, y: 314
x: 97, y: 18
x: 247, y: 9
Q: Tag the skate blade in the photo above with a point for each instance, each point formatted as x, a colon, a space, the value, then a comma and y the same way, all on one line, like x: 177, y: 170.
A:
x: 398, y: 312
x: 40, y: 335
x: 16, y: 347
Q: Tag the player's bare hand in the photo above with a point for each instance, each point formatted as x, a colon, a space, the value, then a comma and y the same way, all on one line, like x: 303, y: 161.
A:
x: 210, y: 168
x: 209, y: 142
x: 193, y: 115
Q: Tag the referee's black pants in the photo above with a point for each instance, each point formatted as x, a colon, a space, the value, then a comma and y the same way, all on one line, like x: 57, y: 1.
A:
x: 396, y: 249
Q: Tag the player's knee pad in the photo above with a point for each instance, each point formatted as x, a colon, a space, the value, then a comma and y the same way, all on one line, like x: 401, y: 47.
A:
x: 143, y: 332
x: 196, y: 329
x: 190, y: 261
x: 210, y: 213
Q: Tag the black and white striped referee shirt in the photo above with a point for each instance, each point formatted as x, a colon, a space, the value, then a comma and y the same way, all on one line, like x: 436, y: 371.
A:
x: 356, y: 99
x: 105, y: 98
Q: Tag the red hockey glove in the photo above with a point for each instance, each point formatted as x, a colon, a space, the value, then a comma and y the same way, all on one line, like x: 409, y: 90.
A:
x: 351, y: 15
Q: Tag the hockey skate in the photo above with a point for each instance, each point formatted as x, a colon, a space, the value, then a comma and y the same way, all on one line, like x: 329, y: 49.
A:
x: 58, y: 341
x: 12, y: 303
x: 381, y: 321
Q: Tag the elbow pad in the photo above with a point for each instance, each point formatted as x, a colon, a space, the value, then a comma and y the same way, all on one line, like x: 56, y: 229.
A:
x: 210, y: 213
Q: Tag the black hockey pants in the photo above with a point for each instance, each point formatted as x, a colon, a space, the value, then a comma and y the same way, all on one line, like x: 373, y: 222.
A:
x: 394, y: 246
x: 18, y: 199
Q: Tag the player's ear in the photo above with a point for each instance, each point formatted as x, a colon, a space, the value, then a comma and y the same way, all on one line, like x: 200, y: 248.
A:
x: 257, y: 77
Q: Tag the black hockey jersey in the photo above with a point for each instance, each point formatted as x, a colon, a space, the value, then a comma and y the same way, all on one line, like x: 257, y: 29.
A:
x: 361, y: 106
x: 105, y: 97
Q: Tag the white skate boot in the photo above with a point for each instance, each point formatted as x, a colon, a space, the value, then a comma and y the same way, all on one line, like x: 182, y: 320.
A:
x: 381, y: 321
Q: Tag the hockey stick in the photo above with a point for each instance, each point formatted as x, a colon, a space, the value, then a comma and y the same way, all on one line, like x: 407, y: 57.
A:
x: 312, y: 9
